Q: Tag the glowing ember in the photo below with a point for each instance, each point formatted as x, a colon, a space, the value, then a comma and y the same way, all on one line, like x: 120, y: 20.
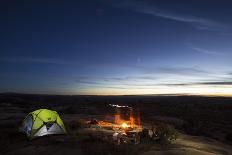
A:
x: 124, y: 125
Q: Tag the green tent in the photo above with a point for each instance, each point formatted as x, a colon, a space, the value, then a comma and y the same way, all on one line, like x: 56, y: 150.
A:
x: 42, y: 122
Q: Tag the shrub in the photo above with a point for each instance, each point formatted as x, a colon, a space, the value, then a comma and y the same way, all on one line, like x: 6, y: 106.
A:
x: 166, y: 134
x: 145, y: 137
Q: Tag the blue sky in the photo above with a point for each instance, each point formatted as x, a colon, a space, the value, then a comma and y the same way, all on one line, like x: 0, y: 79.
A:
x: 111, y: 47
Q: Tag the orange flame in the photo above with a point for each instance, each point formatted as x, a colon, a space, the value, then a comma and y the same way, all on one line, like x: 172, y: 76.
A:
x: 132, y: 122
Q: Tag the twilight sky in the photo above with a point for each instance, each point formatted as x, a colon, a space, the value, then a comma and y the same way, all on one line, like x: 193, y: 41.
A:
x: 111, y: 47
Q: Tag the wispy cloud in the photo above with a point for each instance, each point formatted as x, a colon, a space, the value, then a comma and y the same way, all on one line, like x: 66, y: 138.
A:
x: 88, y: 82
x: 209, y: 52
x: 215, y: 83
x: 149, y: 85
x: 158, y: 78
x: 150, y: 9
x: 34, y: 60
x: 149, y: 76
x: 172, y: 70
x: 157, y: 70
x: 205, y: 51
x: 151, y: 80
x: 126, y: 81
x: 182, y: 70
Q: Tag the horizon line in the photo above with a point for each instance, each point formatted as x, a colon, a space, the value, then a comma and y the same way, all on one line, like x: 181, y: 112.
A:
x: 177, y: 94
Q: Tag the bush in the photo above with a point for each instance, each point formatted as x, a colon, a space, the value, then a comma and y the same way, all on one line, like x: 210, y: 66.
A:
x: 145, y: 137
x: 166, y: 134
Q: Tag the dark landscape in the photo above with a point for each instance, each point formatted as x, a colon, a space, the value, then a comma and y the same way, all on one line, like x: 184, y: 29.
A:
x: 203, y: 120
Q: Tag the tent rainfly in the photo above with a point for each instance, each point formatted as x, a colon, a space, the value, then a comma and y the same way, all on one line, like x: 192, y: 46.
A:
x: 42, y: 122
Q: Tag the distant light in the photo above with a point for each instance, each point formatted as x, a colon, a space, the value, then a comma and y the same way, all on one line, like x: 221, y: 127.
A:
x: 119, y: 106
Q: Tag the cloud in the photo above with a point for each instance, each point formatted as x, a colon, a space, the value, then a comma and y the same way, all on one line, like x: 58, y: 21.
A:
x: 151, y: 85
x: 150, y: 9
x: 34, y: 60
x: 157, y: 70
x: 149, y: 81
x: 88, y: 82
x: 126, y: 81
x: 172, y: 70
x: 148, y: 73
x: 215, y: 83
x: 209, y: 52
x: 182, y: 70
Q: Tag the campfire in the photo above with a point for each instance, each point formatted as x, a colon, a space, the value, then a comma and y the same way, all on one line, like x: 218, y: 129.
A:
x: 132, y: 122
x: 121, y: 122
x: 126, y: 126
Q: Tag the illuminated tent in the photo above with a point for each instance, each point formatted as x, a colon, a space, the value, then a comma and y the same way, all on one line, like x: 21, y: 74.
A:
x: 42, y: 122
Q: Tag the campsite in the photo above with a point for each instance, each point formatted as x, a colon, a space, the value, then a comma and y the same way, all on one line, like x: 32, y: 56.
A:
x: 115, y: 77
x: 198, y: 137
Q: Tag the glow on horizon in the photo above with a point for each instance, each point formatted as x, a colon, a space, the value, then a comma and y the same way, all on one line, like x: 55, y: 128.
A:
x: 190, y: 90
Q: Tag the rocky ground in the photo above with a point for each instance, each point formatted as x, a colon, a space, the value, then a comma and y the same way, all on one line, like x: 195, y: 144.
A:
x: 14, y: 143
